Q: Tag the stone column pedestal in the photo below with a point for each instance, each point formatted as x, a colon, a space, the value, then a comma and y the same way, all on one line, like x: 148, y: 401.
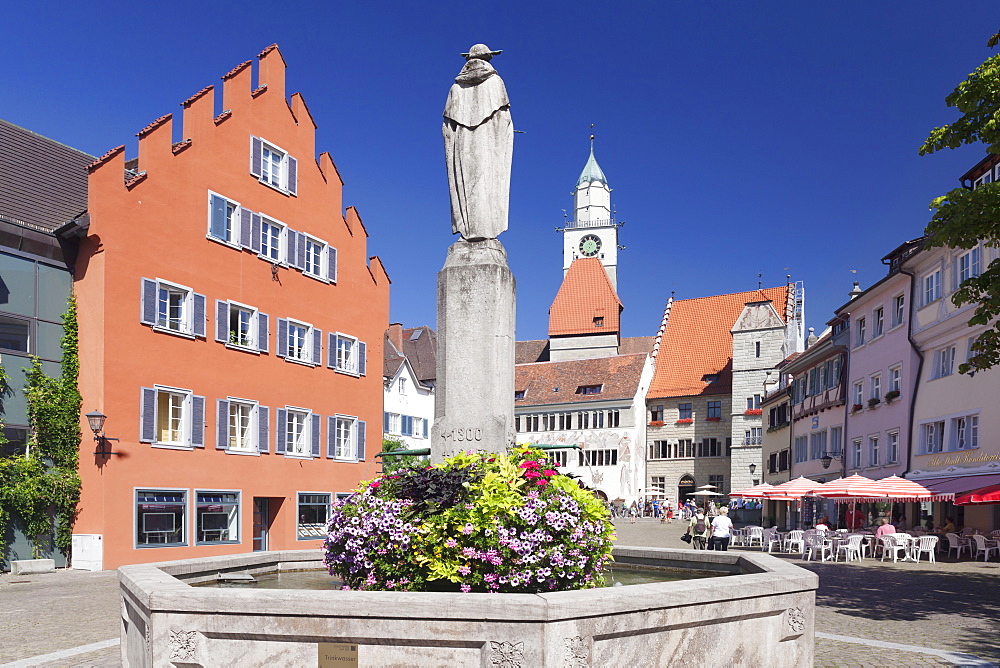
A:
x: 474, y: 396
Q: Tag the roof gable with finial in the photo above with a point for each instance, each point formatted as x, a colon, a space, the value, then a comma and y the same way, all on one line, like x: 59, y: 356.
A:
x: 591, y: 171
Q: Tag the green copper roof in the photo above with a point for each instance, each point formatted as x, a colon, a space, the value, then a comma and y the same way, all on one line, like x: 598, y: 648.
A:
x: 591, y: 171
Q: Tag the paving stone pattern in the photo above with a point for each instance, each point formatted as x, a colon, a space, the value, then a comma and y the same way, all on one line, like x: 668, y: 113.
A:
x: 946, y: 606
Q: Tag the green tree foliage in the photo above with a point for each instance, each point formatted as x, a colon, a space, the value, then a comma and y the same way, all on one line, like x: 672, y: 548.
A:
x: 963, y: 217
x: 46, y: 479
x: 390, y: 464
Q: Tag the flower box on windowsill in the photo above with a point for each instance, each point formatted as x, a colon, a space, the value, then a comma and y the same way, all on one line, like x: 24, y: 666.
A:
x: 752, y: 411
x: 685, y: 421
x: 712, y: 419
x: 656, y: 423
x: 857, y: 408
x: 873, y: 402
x: 891, y: 396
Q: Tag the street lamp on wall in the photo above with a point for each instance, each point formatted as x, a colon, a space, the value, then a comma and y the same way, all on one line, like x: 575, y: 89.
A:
x: 828, y: 458
x: 96, y: 421
x: 753, y: 467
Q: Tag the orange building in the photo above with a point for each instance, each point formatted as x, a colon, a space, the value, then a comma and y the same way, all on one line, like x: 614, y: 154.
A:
x: 227, y: 308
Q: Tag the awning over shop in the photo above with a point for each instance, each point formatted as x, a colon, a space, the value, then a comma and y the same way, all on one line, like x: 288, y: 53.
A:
x: 946, y: 488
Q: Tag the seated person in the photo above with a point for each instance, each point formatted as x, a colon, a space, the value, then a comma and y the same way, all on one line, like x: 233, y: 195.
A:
x: 823, y: 524
x: 884, y: 528
x: 949, y: 526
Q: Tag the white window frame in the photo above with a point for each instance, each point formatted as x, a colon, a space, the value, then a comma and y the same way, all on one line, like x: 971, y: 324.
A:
x: 972, y: 260
x: 267, y: 147
x: 305, y: 355
x: 873, y: 453
x: 233, y: 221
x: 185, y: 418
x: 246, y: 445
x: 876, y: 386
x: 856, y: 454
x: 965, y: 432
x: 898, y: 311
x: 930, y: 285
x: 878, y: 322
x: 944, y: 362
x: 896, y: 378
x: 346, y: 426
x: 252, y: 326
x: 186, y: 320
x: 301, y: 447
x: 932, y: 436
x: 321, y: 259
x: 395, y: 424
x: 861, y: 330
x: 892, y: 447
x: 352, y: 366
x: 859, y: 392
x: 282, y: 248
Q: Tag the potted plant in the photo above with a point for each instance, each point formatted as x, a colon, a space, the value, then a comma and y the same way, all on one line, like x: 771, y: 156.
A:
x: 712, y: 419
x: 891, y: 396
x: 656, y: 423
x: 685, y: 421
x: 857, y: 408
x: 752, y: 411
x: 873, y: 402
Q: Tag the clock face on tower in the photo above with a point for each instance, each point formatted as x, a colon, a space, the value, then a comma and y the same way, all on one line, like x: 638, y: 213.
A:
x: 590, y: 245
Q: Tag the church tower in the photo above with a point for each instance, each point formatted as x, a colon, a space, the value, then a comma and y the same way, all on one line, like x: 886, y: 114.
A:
x: 593, y: 231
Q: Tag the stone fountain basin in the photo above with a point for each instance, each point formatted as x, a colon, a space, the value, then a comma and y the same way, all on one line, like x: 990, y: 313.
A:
x: 761, y: 614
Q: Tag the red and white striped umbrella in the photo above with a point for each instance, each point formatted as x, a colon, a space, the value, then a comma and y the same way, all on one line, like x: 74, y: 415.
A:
x: 853, y: 488
x: 755, y: 492
x: 793, y: 490
x: 901, y: 489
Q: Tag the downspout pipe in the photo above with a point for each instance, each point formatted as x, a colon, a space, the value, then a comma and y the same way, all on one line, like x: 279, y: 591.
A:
x: 920, y: 368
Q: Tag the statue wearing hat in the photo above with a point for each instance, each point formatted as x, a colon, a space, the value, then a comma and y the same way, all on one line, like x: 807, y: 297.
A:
x: 478, y: 145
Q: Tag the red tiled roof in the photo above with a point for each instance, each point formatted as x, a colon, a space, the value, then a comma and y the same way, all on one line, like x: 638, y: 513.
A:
x: 152, y: 126
x: 223, y: 116
x: 236, y: 70
x: 267, y: 50
x: 104, y: 158
x: 697, y: 342
x: 618, y: 377
x: 586, y: 294
x: 179, y: 146
x: 194, y: 97
x: 636, y: 344
x: 258, y: 90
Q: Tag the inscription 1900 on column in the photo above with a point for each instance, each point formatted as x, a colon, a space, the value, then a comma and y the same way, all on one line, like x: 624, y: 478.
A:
x: 462, y: 434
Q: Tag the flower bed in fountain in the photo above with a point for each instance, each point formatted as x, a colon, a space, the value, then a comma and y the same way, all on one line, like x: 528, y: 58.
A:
x: 478, y: 522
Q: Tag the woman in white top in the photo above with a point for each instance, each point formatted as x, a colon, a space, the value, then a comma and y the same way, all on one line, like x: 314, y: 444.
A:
x: 722, y: 530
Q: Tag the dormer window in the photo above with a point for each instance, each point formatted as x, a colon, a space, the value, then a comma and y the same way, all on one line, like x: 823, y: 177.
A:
x: 599, y: 321
x: 710, y: 377
x: 589, y: 389
x: 518, y: 394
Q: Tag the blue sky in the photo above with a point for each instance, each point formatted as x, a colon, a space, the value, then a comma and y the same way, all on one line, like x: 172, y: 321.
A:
x: 740, y: 138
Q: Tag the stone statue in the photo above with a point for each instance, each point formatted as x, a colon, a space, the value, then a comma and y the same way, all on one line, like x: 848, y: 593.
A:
x: 478, y: 145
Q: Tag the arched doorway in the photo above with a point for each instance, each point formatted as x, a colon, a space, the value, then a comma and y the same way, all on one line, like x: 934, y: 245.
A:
x: 685, y: 487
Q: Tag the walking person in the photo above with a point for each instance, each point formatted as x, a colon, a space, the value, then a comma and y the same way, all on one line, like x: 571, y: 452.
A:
x: 699, y: 530
x: 722, y: 530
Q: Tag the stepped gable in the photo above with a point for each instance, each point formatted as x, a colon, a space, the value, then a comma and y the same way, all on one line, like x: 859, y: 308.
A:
x: 697, y: 342
x: 557, y: 382
x: 586, y: 302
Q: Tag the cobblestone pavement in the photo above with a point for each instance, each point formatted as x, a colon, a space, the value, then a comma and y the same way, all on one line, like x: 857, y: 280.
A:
x: 947, y: 606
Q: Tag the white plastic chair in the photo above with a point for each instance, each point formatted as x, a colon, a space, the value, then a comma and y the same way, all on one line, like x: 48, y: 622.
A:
x: 926, y: 544
x: 956, y: 543
x: 753, y: 534
x: 816, y: 543
x: 984, y: 547
x: 894, y: 543
x: 851, y: 549
x: 795, y: 540
x: 770, y: 537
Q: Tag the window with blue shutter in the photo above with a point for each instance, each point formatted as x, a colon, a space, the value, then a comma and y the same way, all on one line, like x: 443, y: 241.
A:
x: 147, y: 415
x: 331, y: 258
x: 221, y: 321
x: 280, y: 428
x: 317, y: 347
x: 331, y: 351
x: 263, y: 435
x: 362, y: 358
x: 291, y: 241
x: 425, y: 427
x: 331, y: 437
x: 198, y: 315
x: 148, y: 311
x: 198, y: 421
x: 246, y: 228
x: 315, y: 434
x: 300, y: 251
x: 255, y: 231
x: 262, y: 332
x: 407, y: 425
x: 282, y: 345
x: 256, y: 156
x: 222, y: 424
x: 293, y: 175
x: 217, y: 217
x: 385, y: 422
x: 361, y: 440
